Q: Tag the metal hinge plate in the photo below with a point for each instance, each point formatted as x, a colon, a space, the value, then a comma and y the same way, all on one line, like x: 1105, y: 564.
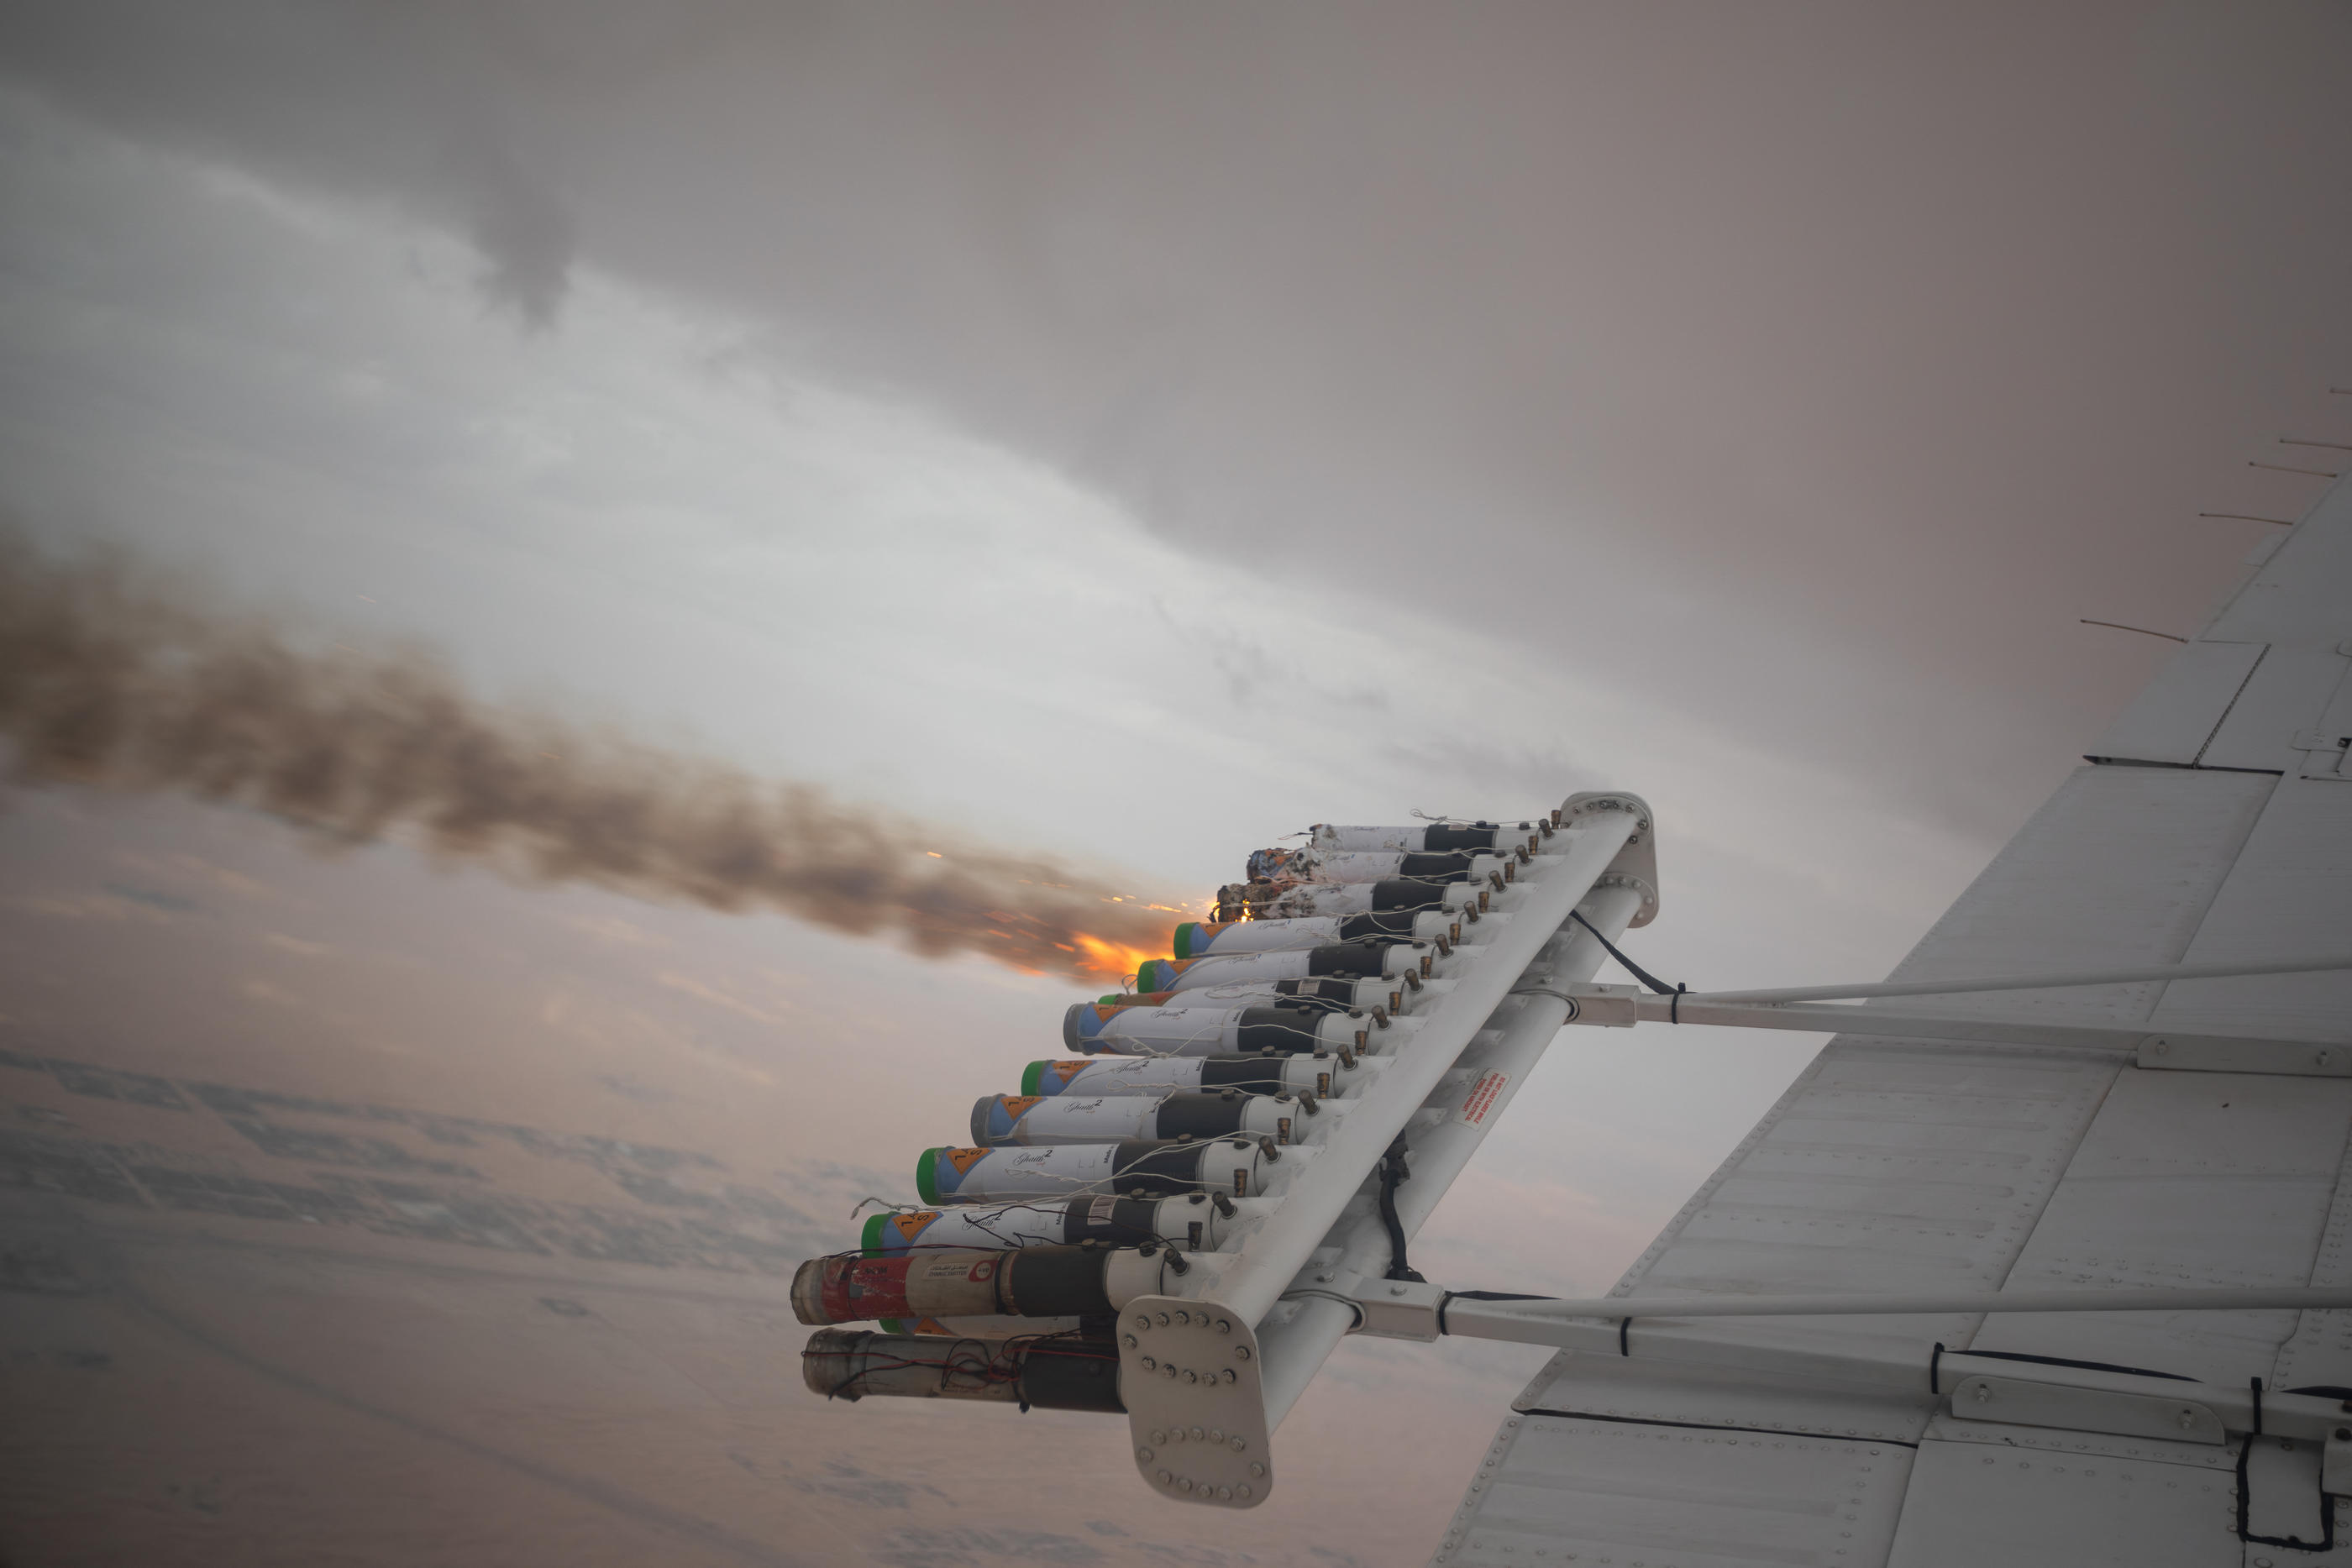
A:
x: 1189, y: 1373
x: 2289, y: 1058
x: 2024, y: 1403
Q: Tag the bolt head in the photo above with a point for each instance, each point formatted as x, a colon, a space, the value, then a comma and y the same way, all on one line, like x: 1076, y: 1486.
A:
x: 1241, y: 1352
x: 1256, y: 1468
x: 1129, y: 1341
x: 1143, y: 1454
x: 1142, y: 1321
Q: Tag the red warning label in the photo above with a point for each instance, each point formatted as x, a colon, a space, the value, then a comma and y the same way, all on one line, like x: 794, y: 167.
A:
x: 1483, y: 1098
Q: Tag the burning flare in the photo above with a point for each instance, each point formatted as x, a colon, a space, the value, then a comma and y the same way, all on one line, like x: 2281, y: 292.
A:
x: 108, y: 678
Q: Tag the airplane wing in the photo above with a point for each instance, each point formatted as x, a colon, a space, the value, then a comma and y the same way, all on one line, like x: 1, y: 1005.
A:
x: 2147, y: 1134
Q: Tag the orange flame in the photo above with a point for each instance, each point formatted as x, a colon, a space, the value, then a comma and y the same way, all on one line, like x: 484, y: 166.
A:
x: 1114, y: 959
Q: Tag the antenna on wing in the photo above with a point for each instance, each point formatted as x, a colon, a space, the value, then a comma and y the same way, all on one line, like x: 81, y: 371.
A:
x: 2119, y: 626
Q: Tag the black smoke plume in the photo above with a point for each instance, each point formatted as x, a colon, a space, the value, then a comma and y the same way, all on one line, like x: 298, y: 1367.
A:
x: 111, y: 676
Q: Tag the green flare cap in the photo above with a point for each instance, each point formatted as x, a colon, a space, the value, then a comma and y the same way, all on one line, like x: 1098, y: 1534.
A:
x: 1033, y: 1076
x: 927, y: 1184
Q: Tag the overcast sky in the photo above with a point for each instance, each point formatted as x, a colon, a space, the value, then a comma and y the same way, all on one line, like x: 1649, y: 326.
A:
x: 1137, y: 432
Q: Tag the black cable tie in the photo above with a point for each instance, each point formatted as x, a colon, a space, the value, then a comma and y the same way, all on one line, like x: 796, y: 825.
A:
x: 1394, y: 1174
x: 1630, y: 967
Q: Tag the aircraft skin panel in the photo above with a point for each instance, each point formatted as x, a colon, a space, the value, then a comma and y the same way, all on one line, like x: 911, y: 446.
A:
x: 1906, y: 1165
x: 1571, y: 1489
x: 2290, y: 891
x: 2117, y: 869
x: 2173, y: 720
x: 1890, y: 1164
x: 2186, y: 1178
x: 1972, y: 1504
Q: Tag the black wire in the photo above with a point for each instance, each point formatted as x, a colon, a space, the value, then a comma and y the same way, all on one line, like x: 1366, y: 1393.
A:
x: 1630, y: 967
x: 1393, y: 1172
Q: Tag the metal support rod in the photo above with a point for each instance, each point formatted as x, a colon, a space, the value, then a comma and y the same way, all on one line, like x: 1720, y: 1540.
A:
x: 2248, y: 518
x: 2028, y: 982
x: 2331, y: 445
x: 1475, y: 1318
x: 1693, y: 1009
x: 2283, y: 468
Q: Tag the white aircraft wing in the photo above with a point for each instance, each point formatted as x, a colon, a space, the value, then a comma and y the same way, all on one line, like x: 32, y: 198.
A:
x: 2182, y: 1146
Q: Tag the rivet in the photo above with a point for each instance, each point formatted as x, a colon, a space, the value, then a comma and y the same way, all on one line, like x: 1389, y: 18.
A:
x: 1256, y: 1468
x: 1151, y: 1362
x: 1143, y: 1454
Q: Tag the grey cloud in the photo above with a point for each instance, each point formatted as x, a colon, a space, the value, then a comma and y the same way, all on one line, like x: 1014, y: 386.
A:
x: 1809, y: 371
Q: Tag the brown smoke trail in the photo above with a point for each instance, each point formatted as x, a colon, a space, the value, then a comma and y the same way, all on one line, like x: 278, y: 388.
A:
x: 108, y: 679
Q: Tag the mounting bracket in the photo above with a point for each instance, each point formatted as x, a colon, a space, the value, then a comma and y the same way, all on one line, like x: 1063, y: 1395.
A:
x: 1191, y: 1376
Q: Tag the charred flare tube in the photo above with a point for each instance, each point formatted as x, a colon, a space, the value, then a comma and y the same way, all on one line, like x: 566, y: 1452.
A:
x: 1428, y: 837
x: 1132, y: 1167
x: 1376, y: 995
x: 1263, y: 1073
x: 1057, y: 1373
x: 1194, y: 1221
x: 975, y: 1282
x: 1273, y: 900
x: 1351, y: 867
x: 1220, y: 939
x: 1333, y: 960
x: 1034, y: 1121
x: 1089, y: 1029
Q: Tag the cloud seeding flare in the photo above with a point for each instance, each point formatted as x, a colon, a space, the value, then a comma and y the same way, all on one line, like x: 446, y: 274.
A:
x: 109, y: 677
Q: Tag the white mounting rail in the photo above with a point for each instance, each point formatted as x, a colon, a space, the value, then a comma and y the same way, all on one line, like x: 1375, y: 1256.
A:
x: 1250, y: 1281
